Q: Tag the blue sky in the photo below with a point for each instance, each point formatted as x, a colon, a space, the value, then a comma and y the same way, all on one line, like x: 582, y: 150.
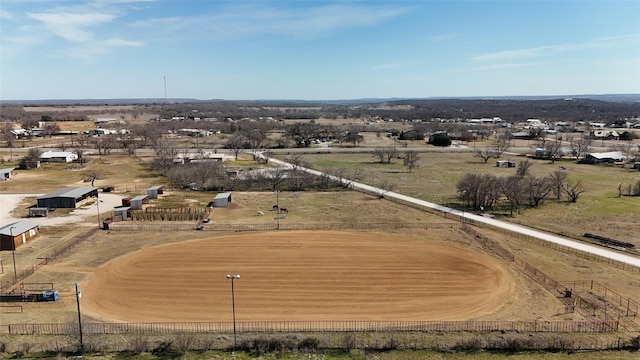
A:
x: 316, y: 50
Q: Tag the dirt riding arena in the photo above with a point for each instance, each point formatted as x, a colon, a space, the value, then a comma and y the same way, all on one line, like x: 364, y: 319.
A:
x: 298, y: 276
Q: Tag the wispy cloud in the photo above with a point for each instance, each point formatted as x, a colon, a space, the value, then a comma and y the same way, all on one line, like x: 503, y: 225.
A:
x: 308, y: 22
x: 71, y: 26
x: 545, y: 51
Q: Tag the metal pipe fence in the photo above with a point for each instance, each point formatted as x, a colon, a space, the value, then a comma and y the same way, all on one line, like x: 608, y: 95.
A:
x: 129, y: 226
x: 162, y: 328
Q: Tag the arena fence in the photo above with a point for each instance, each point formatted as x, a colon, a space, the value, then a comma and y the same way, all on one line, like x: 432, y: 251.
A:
x: 129, y: 226
x: 311, y: 326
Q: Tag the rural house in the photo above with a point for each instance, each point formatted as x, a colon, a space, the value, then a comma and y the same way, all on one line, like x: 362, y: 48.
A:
x: 15, y: 234
x: 66, y: 197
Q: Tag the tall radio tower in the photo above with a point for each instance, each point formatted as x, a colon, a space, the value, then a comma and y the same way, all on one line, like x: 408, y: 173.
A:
x: 165, y: 87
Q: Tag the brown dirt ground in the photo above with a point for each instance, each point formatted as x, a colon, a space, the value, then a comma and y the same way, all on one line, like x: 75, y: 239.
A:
x: 298, y: 276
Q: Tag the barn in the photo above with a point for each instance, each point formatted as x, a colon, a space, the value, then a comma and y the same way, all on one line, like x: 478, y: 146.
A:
x: 605, y: 157
x: 66, y: 197
x: 222, y: 199
x: 15, y: 234
x: 154, y: 191
x: 5, y: 174
x: 58, y: 156
x: 137, y: 202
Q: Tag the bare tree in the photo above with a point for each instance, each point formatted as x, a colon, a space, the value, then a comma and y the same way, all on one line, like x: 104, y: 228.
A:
x: 236, y: 143
x: 384, y: 186
x: 411, y: 159
x: 6, y: 131
x: 165, y: 151
x: 523, y: 168
x: 391, y: 152
x: 50, y: 129
x: 379, y: 153
x: 484, y: 154
x: 513, y: 189
x: 103, y: 143
x: 478, y: 191
x: 538, y: 188
x: 580, y: 147
x: 552, y: 150
x: 501, y: 145
x: 91, y: 175
x: 345, y: 177
x: 557, y: 179
x: 573, y: 190
x: 32, y: 157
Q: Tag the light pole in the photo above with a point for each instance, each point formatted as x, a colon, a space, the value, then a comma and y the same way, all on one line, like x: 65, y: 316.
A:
x: 277, y: 210
x: 233, y: 308
x: 98, y: 208
x: 13, y: 254
x: 78, y: 295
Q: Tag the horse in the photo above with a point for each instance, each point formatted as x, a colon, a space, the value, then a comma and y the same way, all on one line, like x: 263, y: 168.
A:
x: 284, y: 211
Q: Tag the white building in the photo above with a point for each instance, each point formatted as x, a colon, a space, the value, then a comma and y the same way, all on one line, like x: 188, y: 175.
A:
x: 58, y: 156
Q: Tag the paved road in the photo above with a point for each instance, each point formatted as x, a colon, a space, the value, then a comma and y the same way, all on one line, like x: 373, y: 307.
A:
x: 596, y: 250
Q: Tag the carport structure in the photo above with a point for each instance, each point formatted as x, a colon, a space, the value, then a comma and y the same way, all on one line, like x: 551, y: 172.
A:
x: 66, y: 197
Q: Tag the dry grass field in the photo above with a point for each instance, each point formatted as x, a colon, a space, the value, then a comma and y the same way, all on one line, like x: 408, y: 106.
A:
x: 599, y: 209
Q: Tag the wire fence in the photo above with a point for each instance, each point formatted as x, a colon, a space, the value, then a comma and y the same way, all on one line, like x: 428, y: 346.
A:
x: 311, y: 326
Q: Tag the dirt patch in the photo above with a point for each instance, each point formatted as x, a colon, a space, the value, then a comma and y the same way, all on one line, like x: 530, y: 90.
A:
x: 298, y: 276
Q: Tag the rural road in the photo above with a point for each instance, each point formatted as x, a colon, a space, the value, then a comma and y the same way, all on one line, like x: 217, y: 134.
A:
x: 613, y: 255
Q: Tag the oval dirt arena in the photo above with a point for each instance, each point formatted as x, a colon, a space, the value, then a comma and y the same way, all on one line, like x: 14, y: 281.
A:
x: 298, y: 276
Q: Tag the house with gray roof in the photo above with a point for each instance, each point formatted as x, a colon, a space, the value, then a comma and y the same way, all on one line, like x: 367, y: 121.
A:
x: 66, y: 197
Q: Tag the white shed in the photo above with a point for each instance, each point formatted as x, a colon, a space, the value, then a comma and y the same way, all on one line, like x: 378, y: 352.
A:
x: 222, y: 199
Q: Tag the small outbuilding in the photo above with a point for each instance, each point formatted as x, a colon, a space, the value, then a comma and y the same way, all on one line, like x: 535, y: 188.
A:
x: 38, y: 211
x: 137, y: 202
x: 66, y: 197
x: 58, y: 156
x: 15, y: 234
x: 5, y: 174
x: 122, y: 213
x: 222, y: 199
x: 154, y: 191
x: 505, y: 163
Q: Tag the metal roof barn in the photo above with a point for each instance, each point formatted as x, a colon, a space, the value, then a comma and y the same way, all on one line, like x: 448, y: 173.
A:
x: 66, y: 197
